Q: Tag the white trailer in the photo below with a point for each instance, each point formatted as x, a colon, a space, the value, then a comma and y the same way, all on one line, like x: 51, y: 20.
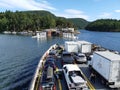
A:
x: 71, y: 46
x: 84, y: 46
x: 107, y: 65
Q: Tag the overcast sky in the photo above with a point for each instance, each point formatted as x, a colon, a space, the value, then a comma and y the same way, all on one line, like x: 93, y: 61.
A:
x: 87, y: 9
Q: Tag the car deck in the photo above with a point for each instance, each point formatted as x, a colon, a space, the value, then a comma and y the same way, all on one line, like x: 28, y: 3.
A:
x: 61, y: 82
x: 62, y: 85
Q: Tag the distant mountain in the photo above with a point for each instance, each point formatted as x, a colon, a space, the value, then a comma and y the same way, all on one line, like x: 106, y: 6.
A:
x: 79, y: 22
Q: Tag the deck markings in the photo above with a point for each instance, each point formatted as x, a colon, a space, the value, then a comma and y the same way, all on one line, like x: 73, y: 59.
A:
x: 59, y: 83
x: 88, y: 82
x: 37, y: 85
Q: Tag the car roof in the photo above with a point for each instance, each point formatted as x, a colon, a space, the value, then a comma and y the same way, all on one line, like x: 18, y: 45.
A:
x: 65, y: 52
x: 50, y: 58
x: 81, y: 54
x: 72, y: 67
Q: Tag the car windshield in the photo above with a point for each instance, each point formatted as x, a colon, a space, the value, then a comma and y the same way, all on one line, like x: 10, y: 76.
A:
x: 81, y: 55
x: 52, y: 53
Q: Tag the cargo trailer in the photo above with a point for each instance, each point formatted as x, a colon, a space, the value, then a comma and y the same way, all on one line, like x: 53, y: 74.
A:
x: 107, y: 65
x: 71, y: 46
x: 84, y: 46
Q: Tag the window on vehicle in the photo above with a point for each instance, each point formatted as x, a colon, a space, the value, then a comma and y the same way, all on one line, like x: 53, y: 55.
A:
x: 81, y: 55
x: 76, y: 54
x: 64, y: 67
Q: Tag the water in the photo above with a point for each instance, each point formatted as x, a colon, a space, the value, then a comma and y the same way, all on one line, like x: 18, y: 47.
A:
x: 109, y: 40
x: 19, y: 55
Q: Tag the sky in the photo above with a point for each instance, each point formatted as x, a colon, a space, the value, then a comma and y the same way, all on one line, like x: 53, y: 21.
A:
x: 88, y: 9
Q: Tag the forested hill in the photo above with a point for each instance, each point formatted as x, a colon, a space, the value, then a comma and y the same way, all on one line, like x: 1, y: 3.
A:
x: 104, y: 25
x: 41, y: 13
x: 79, y: 22
x: 33, y: 20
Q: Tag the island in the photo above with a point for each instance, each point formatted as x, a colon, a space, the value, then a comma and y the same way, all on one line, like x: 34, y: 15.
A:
x: 104, y: 25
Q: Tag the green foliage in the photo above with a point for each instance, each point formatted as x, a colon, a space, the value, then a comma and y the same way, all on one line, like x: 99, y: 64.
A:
x: 79, y: 22
x: 63, y: 23
x: 32, y: 20
x: 104, y: 25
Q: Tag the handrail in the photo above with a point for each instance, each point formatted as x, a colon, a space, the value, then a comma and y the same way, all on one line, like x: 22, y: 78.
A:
x: 32, y: 86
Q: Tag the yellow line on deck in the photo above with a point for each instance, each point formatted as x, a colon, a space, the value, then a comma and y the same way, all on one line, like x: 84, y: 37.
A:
x: 88, y: 82
x: 37, y: 84
x: 60, y: 86
x: 59, y: 83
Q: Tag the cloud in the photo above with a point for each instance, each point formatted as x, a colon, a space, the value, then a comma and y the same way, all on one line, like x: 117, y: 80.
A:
x: 105, y: 15
x: 26, y: 5
x: 118, y: 11
x: 72, y: 13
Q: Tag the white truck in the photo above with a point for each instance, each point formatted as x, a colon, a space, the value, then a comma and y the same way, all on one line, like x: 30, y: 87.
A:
x: 78, y: 46
x: 107, y: 65
x: 71, y: 46
x: 84, y: 46
x: 74, y: 77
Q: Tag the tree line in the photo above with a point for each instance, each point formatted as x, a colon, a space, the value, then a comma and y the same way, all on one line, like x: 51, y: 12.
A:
x: 104, y: 25
x: 31, y: 20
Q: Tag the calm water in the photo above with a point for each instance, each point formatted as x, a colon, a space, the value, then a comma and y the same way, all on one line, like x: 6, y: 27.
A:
x: 19, y: 55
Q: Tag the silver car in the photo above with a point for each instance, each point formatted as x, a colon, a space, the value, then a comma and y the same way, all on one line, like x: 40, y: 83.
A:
x: 80, y: 57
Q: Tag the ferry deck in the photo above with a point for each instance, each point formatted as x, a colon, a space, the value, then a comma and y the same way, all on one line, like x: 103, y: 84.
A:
x: 62, y: 85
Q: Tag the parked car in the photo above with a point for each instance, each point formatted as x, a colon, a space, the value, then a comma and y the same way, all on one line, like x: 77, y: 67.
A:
x: 67, y: 58
x: 80, y: 57
x: 53, y: 53
x: 59, y: 49
x: 74, y: 77
x: 48, y: 80
x: 50, y: 62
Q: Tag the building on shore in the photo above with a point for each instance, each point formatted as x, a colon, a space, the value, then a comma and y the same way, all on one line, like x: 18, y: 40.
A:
x: 40, y: 35
x: 68, y: 30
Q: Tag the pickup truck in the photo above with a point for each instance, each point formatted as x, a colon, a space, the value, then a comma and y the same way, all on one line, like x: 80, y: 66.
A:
x: 74, y: 77
x: 67, y: 58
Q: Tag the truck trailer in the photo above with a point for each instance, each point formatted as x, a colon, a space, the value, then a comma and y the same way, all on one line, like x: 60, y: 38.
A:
x: 78, y: 46
x: 107, y: 65
x: 71, y: 46
x: 84, y: 46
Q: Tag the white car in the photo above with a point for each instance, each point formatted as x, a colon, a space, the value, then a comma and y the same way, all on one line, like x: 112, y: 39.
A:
x: 80, y: 57
x: 74, y: 77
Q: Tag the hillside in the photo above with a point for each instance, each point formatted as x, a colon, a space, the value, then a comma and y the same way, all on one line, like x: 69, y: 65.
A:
x: 104, y: 25
x: 79, y: 22
x: 41, y: 13
x: 36, y: 20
